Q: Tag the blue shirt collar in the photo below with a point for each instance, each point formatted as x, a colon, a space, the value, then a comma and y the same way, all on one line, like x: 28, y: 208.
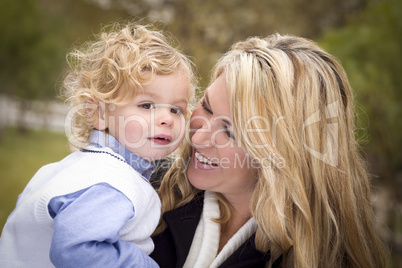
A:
x: 100, y: 139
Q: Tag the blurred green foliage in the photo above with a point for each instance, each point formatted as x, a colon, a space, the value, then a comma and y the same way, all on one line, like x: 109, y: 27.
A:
x: 37, y: 34
x: 370, y: 49
x: 207, y: 28
x: 30, y: 50
x: 35, y: 37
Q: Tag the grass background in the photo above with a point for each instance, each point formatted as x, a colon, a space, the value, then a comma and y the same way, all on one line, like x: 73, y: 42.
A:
x: 21, y: 155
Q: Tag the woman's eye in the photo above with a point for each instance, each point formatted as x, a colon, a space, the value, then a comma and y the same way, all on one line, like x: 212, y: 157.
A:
x: 176, y: 110
x: 205, y: 107
x: 147, y: 106
x: 229, y: 134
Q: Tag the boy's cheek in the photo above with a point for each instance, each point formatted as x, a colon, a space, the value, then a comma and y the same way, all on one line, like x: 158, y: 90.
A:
x: 134, y: 131
x: 181, y: 130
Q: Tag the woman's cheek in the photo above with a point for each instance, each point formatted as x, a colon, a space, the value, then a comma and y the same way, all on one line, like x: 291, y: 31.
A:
x: 220, y: 139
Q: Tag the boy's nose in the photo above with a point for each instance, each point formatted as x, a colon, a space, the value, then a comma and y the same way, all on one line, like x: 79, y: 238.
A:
x: 164, y: 117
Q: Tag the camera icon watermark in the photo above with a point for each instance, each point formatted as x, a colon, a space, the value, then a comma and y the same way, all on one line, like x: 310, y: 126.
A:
x: 330, y: 156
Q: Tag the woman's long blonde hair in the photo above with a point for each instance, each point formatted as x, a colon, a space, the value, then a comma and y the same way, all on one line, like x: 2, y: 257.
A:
x: 312, y: 199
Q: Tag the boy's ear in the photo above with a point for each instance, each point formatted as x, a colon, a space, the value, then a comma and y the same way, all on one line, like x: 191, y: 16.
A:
x: 101, y: 121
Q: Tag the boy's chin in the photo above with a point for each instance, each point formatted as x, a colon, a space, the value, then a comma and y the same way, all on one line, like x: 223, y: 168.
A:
x: 156, y: 156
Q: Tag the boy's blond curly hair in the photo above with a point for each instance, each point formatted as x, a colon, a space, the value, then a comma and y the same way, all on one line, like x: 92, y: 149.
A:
x: 111, y: 69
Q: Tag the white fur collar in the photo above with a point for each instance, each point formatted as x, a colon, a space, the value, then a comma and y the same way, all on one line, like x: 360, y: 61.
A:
x: 204, y: 248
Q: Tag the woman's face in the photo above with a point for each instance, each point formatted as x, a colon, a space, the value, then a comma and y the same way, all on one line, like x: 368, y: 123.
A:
x: 218, y: 164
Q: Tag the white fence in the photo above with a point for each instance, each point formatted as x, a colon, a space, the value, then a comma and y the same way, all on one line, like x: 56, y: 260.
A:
x: 39, y: 115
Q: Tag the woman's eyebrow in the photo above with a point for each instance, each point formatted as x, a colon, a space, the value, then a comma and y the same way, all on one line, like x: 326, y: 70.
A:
x: 207, y: 100
x: 228, y: 122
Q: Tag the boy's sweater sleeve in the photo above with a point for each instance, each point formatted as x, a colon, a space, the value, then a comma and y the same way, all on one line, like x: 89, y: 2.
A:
x: 86, y: 230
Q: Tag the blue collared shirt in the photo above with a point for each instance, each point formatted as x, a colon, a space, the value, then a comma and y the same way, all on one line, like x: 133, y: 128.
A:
x: 100, y: 139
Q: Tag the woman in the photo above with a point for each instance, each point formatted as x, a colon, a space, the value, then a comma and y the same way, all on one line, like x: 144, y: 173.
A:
x: 271, y: 173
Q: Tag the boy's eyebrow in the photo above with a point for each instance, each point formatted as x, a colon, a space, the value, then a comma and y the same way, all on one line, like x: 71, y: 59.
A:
x: 154, y: 95
x: 184, y: 100
x: 180, y: 102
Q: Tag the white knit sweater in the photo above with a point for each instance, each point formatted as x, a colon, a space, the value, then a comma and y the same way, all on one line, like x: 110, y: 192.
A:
x: 76, y: 172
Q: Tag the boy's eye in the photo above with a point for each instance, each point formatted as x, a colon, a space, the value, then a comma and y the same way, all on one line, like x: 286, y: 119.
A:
x: 147, y: 106
x: 176, y: 110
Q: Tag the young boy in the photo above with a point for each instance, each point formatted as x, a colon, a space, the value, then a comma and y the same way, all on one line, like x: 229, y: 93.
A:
x: 129, y: 91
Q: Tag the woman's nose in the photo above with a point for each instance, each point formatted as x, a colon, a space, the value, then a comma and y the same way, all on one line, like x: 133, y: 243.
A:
x: 200, y: 131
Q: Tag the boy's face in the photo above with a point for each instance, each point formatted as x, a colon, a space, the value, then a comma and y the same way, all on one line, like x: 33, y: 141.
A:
x: 153, y: 124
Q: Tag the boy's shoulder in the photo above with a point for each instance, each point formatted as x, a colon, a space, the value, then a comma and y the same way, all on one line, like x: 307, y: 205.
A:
x: 90, y: 166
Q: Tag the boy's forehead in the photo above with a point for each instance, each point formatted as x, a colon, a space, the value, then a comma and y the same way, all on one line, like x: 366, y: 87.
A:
x: 159, y: 94
x: 159, y: 83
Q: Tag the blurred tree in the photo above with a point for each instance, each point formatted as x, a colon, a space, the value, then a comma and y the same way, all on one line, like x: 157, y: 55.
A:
x: 210, y: 27
x: 207, y: 28
x: 20, y: 37
x: 29, y: 52
x: 36, y: 35
x: 370, y: 49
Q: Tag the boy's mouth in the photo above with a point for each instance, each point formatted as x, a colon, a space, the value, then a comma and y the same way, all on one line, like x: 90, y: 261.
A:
x: 161, y: 139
